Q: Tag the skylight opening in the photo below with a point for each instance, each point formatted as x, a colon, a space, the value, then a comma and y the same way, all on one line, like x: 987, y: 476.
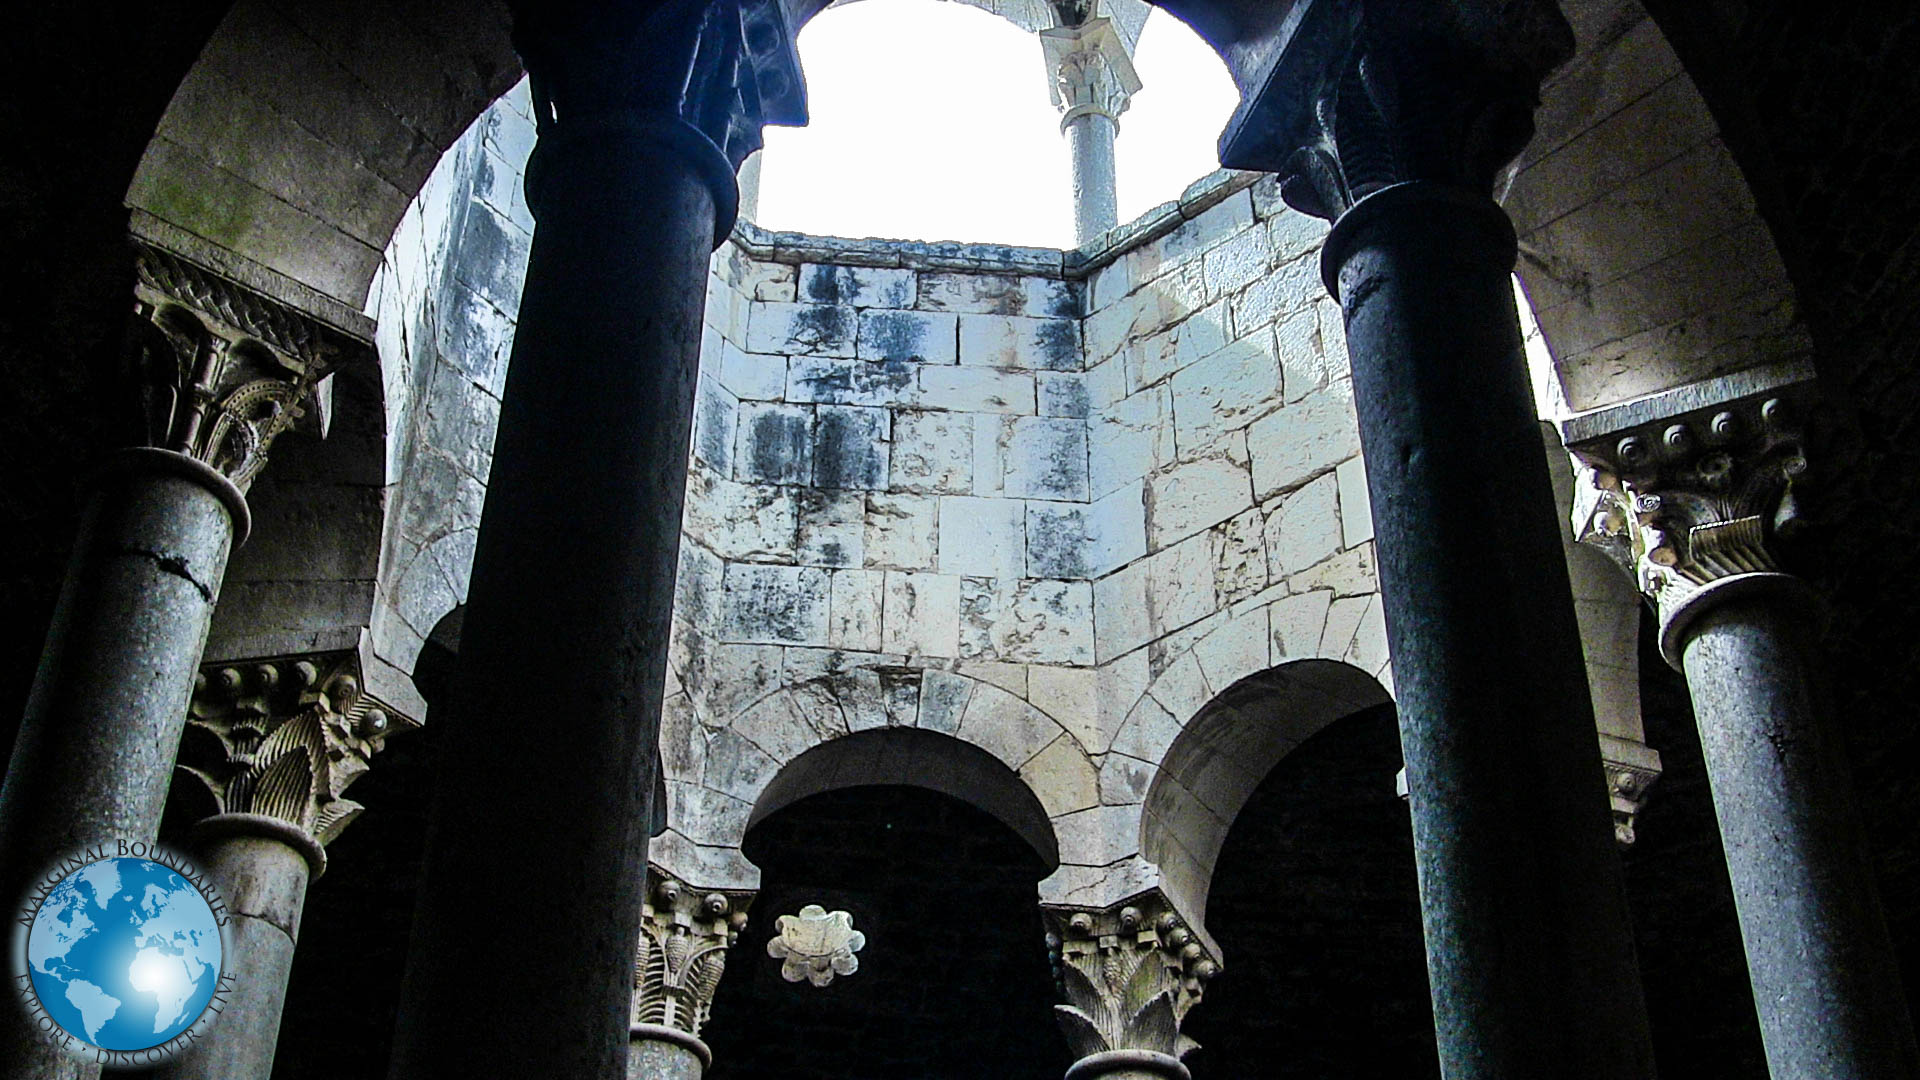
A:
x: 933, y: 120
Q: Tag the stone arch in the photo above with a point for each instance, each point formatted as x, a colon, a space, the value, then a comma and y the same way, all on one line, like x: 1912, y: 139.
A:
x: 739, y: 717
x: 911, y: 757
x: 1220, y: 757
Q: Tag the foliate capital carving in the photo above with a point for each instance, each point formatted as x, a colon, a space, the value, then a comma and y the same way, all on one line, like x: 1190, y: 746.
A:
x: 1363, y: 94
x: 684, y: 936
x: 1092, y: 72
x: 1684, y: 497
x: 1130, y: 974
x: 219, y: 371
x: 285, y: 736
x: 726, y: 67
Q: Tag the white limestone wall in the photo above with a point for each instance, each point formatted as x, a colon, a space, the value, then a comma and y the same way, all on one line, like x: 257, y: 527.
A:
x: 978, y: 493
x: 1047, y: 509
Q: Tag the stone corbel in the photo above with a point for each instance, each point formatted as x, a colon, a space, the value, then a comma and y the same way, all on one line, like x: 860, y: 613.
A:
x: 1690, y: 490
x: 1091, y: 71
x: 1130, y: 973
x: 219, y: 371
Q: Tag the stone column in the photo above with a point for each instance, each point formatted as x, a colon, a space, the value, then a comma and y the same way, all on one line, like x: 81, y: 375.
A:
x: 530, y: 896
x: 1130, y: 974
x: 214, y: 373
x: 1693, y: 490
x: 1394, y: 120
x: 1092, y: 81
x: 274, y: 742
x: 684, y: 937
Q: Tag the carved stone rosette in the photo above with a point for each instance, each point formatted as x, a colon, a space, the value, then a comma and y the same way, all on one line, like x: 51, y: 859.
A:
x: 1091, y: 70
x: 1690, y: 495
x: 219, y: 371
x: 1130, y: 974
x: 684, y: 936
x: 283, y: 737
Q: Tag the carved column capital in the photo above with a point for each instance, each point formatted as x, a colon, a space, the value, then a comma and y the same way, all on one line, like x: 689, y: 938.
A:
x: 1090, y: 70
x: 1360, y: 95
x: 219, y: 371
x: 724, y: 67
x: 685, y: 933
x: 280, y: 738
x: 1696, y: 486
x: 1130, y: 973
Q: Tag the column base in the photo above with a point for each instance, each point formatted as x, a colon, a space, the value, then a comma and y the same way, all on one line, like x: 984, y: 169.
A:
x: 1114, y: 1064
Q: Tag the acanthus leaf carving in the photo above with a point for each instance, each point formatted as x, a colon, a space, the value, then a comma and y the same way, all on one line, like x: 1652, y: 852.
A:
x: 1683, y: 500
x: 218, y: 371
x: 684, y: 937
x: 1129, y: 974
x: 284, y: 737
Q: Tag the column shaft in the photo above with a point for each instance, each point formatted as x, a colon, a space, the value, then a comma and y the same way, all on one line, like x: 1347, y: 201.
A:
x: 1095, y: 207
x: 659, y: 1055
x: 96, y: 747
x: 263, y: 879
x: 1528, y: 944
x: 531, y: 891
x: 1818, y: 954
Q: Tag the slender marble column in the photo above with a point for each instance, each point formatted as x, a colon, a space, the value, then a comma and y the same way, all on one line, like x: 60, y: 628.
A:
x: 1092, y: 83
x: 216, y: 373
x: 1693, y: 490
x: 531, y: 890
x: 685, y: 933
x: 1130, y: 974
x: 1394, y: 119
x: 275, y: 741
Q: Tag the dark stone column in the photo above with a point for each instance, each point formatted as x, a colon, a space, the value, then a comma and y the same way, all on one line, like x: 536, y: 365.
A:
x: 274, y: 742
x: 213, y: 375
x: 530, y: 900
x: 1693, y: 491
x: 1393, y: 119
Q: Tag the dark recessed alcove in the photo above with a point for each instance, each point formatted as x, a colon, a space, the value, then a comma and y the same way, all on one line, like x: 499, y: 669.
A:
x: 1316, y: 907
x: 953, y: 981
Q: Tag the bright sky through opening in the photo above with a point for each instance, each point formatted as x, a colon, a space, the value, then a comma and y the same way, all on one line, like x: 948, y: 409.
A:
x: 931, y: 121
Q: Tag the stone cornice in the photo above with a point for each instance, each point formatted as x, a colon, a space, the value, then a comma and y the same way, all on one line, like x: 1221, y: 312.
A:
x: 1074, y: 264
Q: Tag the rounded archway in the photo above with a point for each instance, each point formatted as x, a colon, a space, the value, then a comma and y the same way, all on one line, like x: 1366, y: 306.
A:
x: 1316, y: 906
x: 1223, y: 755
x: 945, y: 893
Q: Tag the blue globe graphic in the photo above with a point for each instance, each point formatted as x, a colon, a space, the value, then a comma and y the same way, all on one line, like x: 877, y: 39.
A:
x: 124, y: 954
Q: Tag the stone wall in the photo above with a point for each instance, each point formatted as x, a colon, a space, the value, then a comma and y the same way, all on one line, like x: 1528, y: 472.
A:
x: 980, y: 491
